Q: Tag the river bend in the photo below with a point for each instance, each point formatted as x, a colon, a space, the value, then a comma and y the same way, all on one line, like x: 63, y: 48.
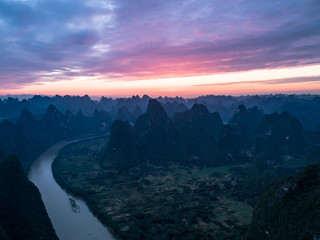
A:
x: 70, y: 216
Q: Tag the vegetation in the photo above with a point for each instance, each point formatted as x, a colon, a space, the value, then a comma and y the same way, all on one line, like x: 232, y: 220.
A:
x: 289, y: 209
x: 155, y: 201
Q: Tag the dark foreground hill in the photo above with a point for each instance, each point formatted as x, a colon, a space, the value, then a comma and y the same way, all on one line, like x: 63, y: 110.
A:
x: 22, y: 212
x: 289, y: 209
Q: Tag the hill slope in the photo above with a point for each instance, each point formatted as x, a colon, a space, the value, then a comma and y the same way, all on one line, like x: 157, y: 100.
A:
x: 289, y: 209
x: 22, y: 212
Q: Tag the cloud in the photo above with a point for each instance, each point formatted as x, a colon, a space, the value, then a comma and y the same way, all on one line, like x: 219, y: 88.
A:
x: 301, y: 80
x: 152, y: 39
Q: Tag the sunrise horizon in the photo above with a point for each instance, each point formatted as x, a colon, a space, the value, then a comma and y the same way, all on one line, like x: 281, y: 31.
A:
x: 297, y: 80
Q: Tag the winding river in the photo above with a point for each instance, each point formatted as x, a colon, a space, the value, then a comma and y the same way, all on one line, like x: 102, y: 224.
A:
x: 70, y: 216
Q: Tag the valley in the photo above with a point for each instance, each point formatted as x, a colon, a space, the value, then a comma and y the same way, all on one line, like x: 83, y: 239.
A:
x: 155, y: 201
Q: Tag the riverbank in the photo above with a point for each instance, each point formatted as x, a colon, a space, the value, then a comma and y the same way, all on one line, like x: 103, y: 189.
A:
x: 69, y: 215
x: 154, y: 201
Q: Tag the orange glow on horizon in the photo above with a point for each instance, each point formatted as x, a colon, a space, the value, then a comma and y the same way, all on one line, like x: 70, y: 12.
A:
x: 285, y: 80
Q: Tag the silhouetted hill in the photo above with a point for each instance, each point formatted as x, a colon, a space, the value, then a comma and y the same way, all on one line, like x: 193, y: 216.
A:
x: 102, y: 120
x: 154, y: 131
x: 280, y: 137
x: 22, y: 212
x: 198, y: 129
x: 237, y: 138
x: 137, y: 112
x: 155, y: 114
x: 124, y: 114
x: 174, y: 107
x: 199, y: 117
x: 199, y: 137
x: 26, y: 120
x: 229, y: 143
x: 153, y: 120
x: 55, y: 123
x: 80, y: 124
x: 121, y: 152
x: 33, y: 131
x: 189, y: 138
x: 244, y: 121
x: 11, y: 107
x: 246, y: 118
x: 289, y: 209
x: 13, y: 141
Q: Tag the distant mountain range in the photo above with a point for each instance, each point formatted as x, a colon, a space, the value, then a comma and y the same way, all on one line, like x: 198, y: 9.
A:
x: 167, y: 128
x: 303, y: 107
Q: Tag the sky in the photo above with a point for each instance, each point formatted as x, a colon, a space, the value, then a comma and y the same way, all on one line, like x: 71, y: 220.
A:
x: 173, y: 48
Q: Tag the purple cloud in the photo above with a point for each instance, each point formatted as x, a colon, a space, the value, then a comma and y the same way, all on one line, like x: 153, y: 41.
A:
x: 143, y: 38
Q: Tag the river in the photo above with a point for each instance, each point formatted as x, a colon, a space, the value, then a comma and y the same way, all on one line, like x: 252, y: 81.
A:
x: 69, y: 215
